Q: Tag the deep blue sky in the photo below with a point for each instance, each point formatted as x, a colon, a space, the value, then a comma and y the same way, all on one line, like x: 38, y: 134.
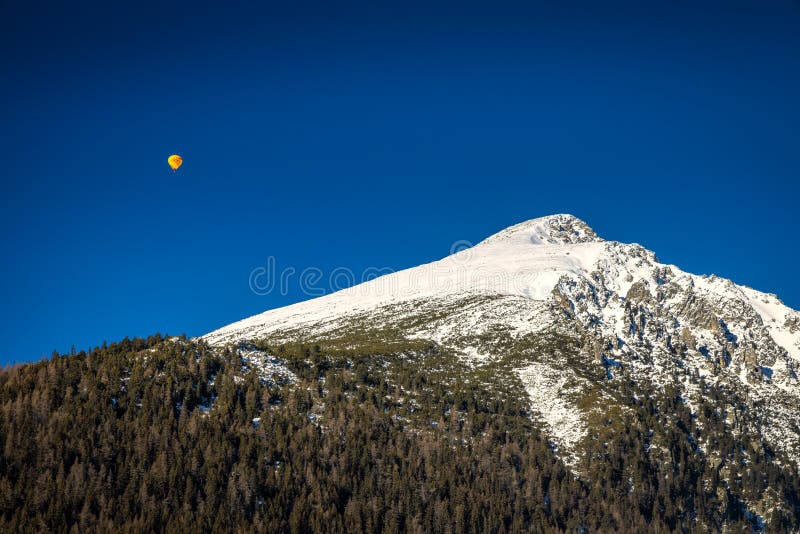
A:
x: 337, y: 134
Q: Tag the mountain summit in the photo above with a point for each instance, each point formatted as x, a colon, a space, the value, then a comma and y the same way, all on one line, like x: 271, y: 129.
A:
x: 561, y: 229
x: 626, y: 315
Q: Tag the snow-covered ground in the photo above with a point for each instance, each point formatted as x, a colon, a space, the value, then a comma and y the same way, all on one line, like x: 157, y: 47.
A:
x: 268, y: 367
x: 549, y: 390
x: 527, y: 260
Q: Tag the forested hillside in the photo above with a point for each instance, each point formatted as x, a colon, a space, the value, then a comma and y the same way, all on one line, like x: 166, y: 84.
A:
x: 354, y: 436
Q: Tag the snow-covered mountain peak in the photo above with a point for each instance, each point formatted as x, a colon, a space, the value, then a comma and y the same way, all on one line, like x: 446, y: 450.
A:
x: 560, y: 229
x: 553, y: 276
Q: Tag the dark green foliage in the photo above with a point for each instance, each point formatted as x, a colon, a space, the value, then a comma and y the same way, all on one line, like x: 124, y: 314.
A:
x: 381, y: 438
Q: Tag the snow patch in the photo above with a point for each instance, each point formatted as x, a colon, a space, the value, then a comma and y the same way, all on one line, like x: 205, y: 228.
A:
x: 549, y: 391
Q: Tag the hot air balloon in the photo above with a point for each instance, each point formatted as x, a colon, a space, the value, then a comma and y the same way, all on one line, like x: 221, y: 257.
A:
x: 175, y: 161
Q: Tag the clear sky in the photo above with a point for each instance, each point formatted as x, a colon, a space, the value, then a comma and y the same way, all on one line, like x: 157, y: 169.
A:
x: 342, y: 134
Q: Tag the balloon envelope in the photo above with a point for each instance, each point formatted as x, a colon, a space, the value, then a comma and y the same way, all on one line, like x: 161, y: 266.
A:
x: 175, y: 161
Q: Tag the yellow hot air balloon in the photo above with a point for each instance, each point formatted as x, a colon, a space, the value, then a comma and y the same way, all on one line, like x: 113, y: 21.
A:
x: 175, y: 161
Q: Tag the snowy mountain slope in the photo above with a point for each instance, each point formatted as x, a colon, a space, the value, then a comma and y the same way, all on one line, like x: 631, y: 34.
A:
x: 526, y: 260
x: 626, y: 311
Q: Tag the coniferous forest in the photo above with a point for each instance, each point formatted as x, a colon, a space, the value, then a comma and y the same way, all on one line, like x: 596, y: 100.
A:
x: 170, y: 435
